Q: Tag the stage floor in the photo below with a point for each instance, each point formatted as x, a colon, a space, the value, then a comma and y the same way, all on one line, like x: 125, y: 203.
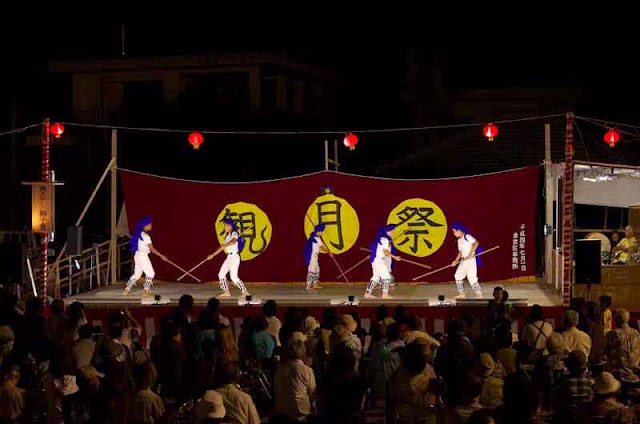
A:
x: 288, y: 294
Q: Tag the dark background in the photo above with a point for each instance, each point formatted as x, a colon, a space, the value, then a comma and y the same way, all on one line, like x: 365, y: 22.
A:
x: 374, y: 85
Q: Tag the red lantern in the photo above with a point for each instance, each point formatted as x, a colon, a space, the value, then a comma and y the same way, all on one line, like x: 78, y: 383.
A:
x: 490, y: 131
x: 196, y: 139
x: 56, y: 130
x: 611, y: 137
x: 350, y: 141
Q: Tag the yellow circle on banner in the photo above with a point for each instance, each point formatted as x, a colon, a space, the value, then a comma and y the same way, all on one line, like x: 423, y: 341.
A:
x: 253, y: 224
x: 342, y: 226
x: 421, y: 227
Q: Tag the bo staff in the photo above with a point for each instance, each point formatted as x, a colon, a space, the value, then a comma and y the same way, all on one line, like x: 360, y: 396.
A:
x: 452, y: 265
x: 332, y: 257
x: 403, y: 260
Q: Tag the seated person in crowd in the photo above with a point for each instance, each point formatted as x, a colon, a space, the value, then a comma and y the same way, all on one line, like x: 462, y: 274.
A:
x: 294, y: 384
x: 624, y: 252
x: 605, y: 408
x: 575, y: 339
x: 622, y: 347
x: 535, y: 334
x: 147, y: 407
x: 574, y: 391
x: 492, y: 387
x: 238, y: 405
x: 470, y: 401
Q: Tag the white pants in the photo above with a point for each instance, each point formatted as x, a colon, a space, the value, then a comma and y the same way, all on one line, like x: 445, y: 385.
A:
x: 381, y: 276
x: 313, y: 271
x: 468, y: 269
x: 230, y: 266
x: 142, y: 264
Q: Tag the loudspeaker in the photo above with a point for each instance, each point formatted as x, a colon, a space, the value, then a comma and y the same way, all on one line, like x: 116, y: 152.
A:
x: 74, y: 241
x: 11, y: 263
x: 588, y: 261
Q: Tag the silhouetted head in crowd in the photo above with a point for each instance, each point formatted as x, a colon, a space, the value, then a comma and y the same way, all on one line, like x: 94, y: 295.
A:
x: 213, y: 304
x: 468, y: 320
x: 85, y: 332
x: 593, y: 312
x: 57, y: 307
x: 400, y: 314
x: 521, y: 398
x: 622, y: 317
x: 270, y: 308
x: 576, y: 363
x: 413, y: 359
x: 536, y: 313
x: 329, y: 318
x: 486, y: 343
x: 76, y: 312
x: 571, y: 319
x: 498, y: 294
x: 115, y: 325
x: 260, y: 323
x: 186, y: 303
x: 605, y: 301
x: 471, y: 388
x: 34, y: 306
x: 504, y: 337
x: 226, y: 372
x: 296, y: 350
x: 393, y: 332
x: 412, y: 323
x: 456, y: 329
x: 293, y: 318
x: 342, y: 361
x: 382, y: 312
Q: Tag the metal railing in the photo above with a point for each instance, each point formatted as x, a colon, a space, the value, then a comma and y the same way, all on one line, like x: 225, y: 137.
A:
x: 80, y: 273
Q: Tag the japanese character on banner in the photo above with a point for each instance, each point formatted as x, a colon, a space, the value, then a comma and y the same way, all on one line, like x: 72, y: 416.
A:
x: 342, y: 225
x: 422, y: 224
x: 253, y: 224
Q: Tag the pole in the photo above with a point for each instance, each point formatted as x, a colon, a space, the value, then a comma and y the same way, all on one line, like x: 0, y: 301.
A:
x: 84, y: 211
x: 567, y: 213
x: 326, y: 155
x: 335, y: 154
x: 548, y: 241
x: 44, y: 240
x: 114, y: 204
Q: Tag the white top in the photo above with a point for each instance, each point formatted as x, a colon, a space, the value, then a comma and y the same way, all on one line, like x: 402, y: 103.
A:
x: 383, y: 245
x: 234, y: 247
x: 143, y: 243
x: 465, y: 244
x: 315, y: 249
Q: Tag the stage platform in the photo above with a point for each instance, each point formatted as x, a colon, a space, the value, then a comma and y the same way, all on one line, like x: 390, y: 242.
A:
x: 293, y: 294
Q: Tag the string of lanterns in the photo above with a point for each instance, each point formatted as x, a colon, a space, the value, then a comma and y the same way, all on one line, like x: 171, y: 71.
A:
x: 490, y: 131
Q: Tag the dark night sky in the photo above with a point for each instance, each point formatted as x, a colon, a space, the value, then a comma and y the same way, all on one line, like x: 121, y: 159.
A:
x: 607, y: 79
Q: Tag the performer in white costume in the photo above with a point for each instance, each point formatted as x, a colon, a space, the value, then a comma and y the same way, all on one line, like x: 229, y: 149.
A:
x: 382, y: 251
x: 312, y: 250
x: 232, y: 246
x: 466, y: 261
x: 141, y: 247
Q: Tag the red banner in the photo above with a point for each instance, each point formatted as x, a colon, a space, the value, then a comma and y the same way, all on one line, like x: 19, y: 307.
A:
x: 276, y: 217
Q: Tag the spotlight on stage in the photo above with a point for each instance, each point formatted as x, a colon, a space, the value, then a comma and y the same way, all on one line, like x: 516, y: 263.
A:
x: 157, y: 297
x: 441, y: 299
x: 248, y: 298
x: 351, y: 299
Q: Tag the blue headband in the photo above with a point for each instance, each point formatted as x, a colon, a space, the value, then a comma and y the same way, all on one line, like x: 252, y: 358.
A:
x: 308, y: 247
x: 137, y: 233
x: 382, y: 232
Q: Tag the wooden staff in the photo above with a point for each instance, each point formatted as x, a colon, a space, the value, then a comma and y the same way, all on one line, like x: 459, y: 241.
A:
x: 366, y: 257
x: 181, y: 269
x: 364, y: 249
x: 208, y: 258
x: 353, y: 267
x: 327, y: 246
x: 452, y: 265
